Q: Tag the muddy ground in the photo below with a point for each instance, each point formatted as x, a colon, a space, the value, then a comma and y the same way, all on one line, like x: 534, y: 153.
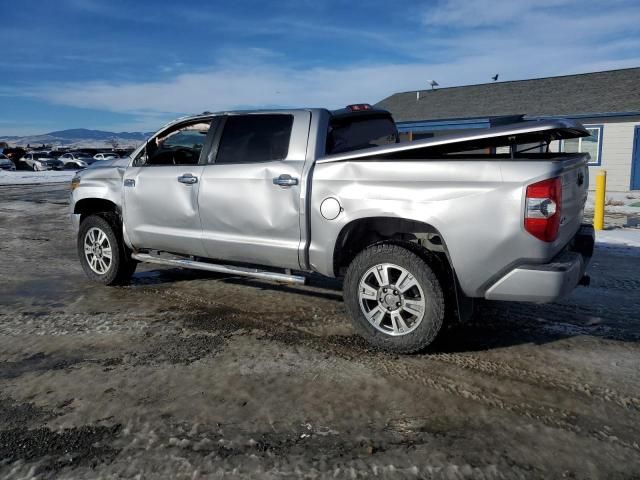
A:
x: 192, y: 375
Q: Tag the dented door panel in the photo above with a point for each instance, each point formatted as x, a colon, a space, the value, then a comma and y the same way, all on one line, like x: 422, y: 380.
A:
x: 251, y: 212
x: 246, y: 217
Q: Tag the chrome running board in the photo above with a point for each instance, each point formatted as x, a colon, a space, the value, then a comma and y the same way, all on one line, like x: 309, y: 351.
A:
x: 214, y: 267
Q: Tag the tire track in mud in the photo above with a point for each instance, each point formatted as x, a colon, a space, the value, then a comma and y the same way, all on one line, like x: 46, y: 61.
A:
x: 532, y: 317
x: 499, y: 369
x: 615, y: 283
x: 551, y: 416
x: 535, y: 378
x: 61, y: 324
x: 350, y: 348
x: 353, y: 349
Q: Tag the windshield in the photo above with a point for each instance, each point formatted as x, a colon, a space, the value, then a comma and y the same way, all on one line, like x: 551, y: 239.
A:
x: 40, y: 155
x: 347, y: 134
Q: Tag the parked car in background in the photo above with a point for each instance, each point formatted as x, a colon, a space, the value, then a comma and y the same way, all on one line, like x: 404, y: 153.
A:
x: 6, y: 163
x: 39, y: 161
x: 106, y: 156
x: 76, y: 160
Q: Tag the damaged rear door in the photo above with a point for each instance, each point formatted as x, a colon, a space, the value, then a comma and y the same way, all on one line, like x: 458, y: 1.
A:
x: 249, y: 199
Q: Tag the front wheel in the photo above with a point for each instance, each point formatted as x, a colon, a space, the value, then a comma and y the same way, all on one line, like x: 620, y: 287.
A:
x: 395, y: 299
x: 103, y: 256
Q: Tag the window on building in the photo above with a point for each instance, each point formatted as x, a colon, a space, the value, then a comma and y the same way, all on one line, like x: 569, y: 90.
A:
x: 255, y: 138
x: 591, y: 144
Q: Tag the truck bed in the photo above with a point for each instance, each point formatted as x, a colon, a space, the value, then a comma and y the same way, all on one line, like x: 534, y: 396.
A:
x: 473, y: 201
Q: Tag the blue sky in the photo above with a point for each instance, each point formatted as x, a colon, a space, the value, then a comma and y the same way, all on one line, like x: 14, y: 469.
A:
x: 132, y: 65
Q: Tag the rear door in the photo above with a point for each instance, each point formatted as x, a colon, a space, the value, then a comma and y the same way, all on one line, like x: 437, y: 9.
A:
x: 249, y: 196
x: 161, y: 190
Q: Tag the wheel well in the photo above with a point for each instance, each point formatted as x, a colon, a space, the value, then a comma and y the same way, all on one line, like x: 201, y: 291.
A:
x: 89, y: 206
x: 424, y: 239
x: 359, y: 234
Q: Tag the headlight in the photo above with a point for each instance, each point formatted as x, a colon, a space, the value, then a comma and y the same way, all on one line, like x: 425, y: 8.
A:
x: 75, y: 183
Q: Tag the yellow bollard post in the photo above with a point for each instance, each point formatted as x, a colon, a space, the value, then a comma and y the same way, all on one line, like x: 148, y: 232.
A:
x: 601, y: 188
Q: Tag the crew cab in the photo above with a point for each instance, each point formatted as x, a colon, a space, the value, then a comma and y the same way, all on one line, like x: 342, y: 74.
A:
x: 416, y: 230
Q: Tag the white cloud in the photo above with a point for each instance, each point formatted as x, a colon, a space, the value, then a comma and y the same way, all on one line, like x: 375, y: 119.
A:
x: 482, y: 13
x: 515, y: 38
x: 267, y: 85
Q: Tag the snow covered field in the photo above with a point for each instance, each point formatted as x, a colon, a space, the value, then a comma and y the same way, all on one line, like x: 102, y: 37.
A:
x: 620, y: 240
x: 28, y: 178
x: 617, y: 202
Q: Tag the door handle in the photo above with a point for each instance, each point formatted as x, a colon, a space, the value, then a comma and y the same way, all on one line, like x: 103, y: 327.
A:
x: 129, y: 182
x: 188, y: 179
x: 285, y: 181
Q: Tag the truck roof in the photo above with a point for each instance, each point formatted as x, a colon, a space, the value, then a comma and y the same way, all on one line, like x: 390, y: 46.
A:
x: 347, y: 112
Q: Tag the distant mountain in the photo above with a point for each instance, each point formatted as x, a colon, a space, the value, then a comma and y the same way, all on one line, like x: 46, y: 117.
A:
x: 83, y: 133
x: 79, y: 137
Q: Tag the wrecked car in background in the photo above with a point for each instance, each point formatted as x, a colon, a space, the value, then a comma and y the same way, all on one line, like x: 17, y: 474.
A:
x: 6, y: 163
x: 417, y: 230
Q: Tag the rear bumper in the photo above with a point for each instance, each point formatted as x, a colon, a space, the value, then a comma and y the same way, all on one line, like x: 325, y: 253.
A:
x: 550, y: 281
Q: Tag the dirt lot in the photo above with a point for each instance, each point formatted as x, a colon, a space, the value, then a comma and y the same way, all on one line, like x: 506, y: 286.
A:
x: 191, y: 375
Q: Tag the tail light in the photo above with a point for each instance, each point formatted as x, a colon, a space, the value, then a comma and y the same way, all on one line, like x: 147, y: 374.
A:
x: 542, y: 209
x: 358, y: 107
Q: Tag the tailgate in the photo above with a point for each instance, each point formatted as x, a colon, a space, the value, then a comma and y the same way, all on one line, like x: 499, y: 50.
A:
x: 575, y: 185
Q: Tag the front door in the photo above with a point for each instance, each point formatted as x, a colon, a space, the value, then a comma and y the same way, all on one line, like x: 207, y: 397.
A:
x: 250, y: 191
x: 635, y: 160
x: 161, y: 191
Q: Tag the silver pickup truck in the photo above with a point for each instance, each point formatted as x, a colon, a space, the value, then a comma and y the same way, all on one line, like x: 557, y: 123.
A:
x: 417, y: 230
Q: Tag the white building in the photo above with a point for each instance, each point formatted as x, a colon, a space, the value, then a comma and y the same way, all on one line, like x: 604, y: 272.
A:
x: 607, y: 103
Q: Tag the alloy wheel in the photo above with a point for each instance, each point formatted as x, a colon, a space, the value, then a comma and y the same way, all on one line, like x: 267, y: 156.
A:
x: 391, y: 299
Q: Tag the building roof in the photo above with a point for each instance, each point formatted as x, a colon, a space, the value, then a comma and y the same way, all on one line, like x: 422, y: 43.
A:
x: 588, y: 93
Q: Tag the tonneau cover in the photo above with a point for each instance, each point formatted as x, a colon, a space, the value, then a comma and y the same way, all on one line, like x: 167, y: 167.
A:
x: 520, y: 133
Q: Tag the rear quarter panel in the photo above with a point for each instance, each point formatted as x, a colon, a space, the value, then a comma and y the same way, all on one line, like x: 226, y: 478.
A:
x: 476, y: 205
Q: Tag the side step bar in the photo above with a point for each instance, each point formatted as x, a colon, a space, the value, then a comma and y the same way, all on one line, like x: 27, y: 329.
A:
x: 213, y: 267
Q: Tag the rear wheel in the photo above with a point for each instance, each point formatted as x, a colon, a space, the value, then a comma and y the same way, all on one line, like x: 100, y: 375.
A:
x: 103, y: 255
x: 395, y: 299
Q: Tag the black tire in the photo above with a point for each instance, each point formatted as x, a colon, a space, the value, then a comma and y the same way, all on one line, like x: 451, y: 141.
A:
x: 407, y: 257
x: 121, y: 266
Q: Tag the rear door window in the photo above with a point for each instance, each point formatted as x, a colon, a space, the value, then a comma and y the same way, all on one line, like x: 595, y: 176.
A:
x: 254, y: 138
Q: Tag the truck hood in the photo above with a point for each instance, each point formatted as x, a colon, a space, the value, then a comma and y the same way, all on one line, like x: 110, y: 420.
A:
x: 114, y: 162
x: 520, y: 133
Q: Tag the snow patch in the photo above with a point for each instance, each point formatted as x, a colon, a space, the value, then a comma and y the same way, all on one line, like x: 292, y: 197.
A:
x: 625, y: 241
x: 29, y: 178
